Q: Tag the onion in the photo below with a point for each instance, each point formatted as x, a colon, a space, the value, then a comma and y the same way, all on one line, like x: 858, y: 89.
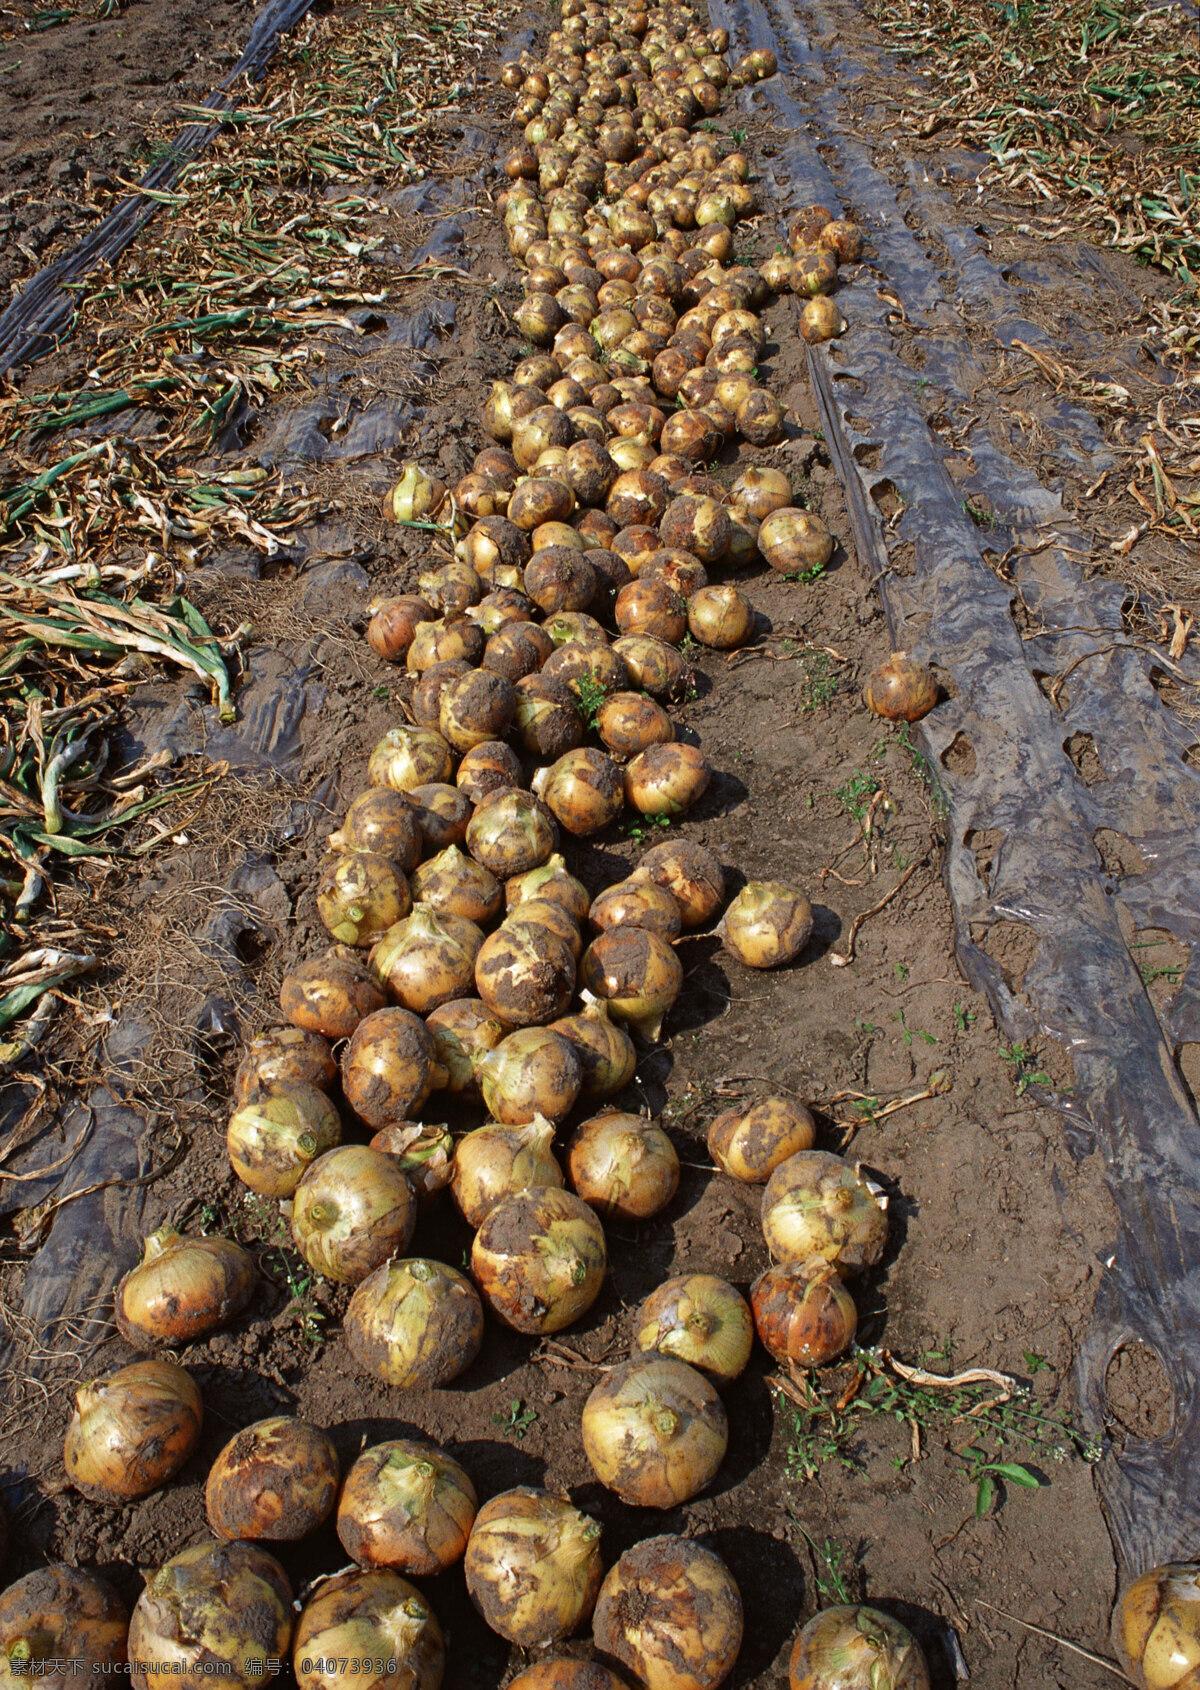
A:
x: 575, y: 625
x: 628, y: 723
x: 510, y: 833
x: 426, y: 701
x: 858, y: 1648
x: 720, y: 617
x: 583, y: 790
x: 525, y: 974
x: 547, y: 718
x: 844, y: 239
x: 655, y: 1432
x: 285, y: 1056
x: 275, y: 1134
x: 352, y: 1210
x: 550, y: 880
x: 606, y: 1054
x: 653, y: 665
x: 452, y: 587
x: 182, y: 1289
x: 750, y: 1142
x: 360, y: 895
x: 443, y: 812
x: 596, y: 669
x: 501, y: 607
x: 636, y: 544
x: 759, y: 491
x: 406, y: 1505
x: 475, y: 708
x: 1156, y: 1627
x: 277, y: 1479
x: 901, y: 690
x: 415, y: 1324
x: 699, y: 1319
x: 132, y: 1431
x: 415, y: 496
x: 538, y: 499
x: 533, y: 1071
x: 636, y: 973
x: 422, y: 1152
x: 803, y: 1313
x: 373, y: 1617
x: 821, y: 320
x: 497, y: 550
x: 590, y: 472
x: 389, y: 1068
x: 669, y: 1610
x: 453, y: 636
x: 58, y: 1614
x: 538, y: 317
x: 486, y: 768
x: 463, y: 1031
x: 560, y: 578
x: 623, y: 1166
x: 566, y: 1673
x: 651, y: 607
x: 533, y: 1565
x: 517, y: 650
x: 665, y: 780
x: 382, y: 821
x: 813, y: 273
x: 409, y: 757
x: 794, y: 541
x: 219, y: 1608
x: 816, y: 1204
x: 330, y: 995
x: 393, y: 624
x: 767, y: 924
x: 539, y: 1260
x: 691, y: 873
x: 637, y: 903
x: 544, y: 912
x: 454, y: 884
x: 494, y: 1161
x: 636, y: 496
x: 699, y: 526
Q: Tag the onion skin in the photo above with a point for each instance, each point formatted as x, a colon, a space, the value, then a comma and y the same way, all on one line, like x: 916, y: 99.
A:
x: 605, y: 1051
x: 566, y: 1673
x: 670, y: 1612
x: 360, y: 895
x: 856, y: 1648
x: 533, y: 1566
x: 749, y: 1143
x: 275, y: 1134
x: 424, y: 1153
x: 59, y: 1614
x: 376, y: 1617
x: 408, y: 1506
x: 352, y: 1210
x: 389, y: 1068
x: 551, y: 880
x: 816, y: 1204
x: 803, y: 1313
x: 691, y: 873
x: 533, y: 1071
x: 767, y: 924
x: 182, y: 1289
x: 901, y: 690
x: 623, y: 1166
x: 283, y: 1056
x: 655, y: 1432
x: 415, y: 1323
x: 636, y: 973
x: 539, y: 1260
x: 214, y: 1607
x: 276, y: 1480
x: 699, y: 1319
x: 132, y: 1431
x: 1156, y: 1627
x: 493, y: 1162
x: 330, y: 995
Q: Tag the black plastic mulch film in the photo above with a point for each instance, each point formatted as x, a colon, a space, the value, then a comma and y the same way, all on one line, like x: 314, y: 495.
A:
x: 1010, y: 777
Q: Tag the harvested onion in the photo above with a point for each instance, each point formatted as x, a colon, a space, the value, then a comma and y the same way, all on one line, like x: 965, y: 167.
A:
x: 284, y: 1056
x: 406, y: 1505
x: 859, y: 1648
x: 539, y: 1260
x: 670, y: 1611
x: 408, y: 757
x: 58, y: 1614
x: 750, y: 1142
x: 370, y: 1623
x: 623, y: 1165
x: 636, y: 973
x: 182, y: 1289
x: 655, y: 1432
x: 429, y: 958
x: 454, y: 884
x: 132, y: 1431
x: 583, y: 790
x: 817, y: 1204
x: 720, y: 617
x: 566, y: 1673
x: 330, y: 995
x: 606, y: 1053
x: 533, y: 1566
x: 901, y: 690
x: 352, y: 1210
x: 803, y: 1313
x: 463, y: 1031
x: 628, y: 722
x: 389, y: 1068
x: 691, y: 873
x: 550, y: 880
x: 665, y: 780
x: 360, y: 895
x: 277, y: 1479
x: 1156, y: 1627
x: 415, y: 1323
x: 525, y: 973
x: 216, y: 1608
x: 699, y: 1319
x: 423, y: 1152
x: 794, y: 542
x: 534, y: 1071
x: 767, y: 924
x: 276, y: 1133
x: 510, y: 833
x: 493, y: 1162
x: 637, y: 903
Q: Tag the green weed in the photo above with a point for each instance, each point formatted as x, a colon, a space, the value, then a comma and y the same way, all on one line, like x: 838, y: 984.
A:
x: 908, y: 1034
x: 964, y: 1018
x: 833, y: 1568
x: 1021, y: 1062
x: 518, y: 1420
x: 643, y: 829
x: 855, y: 795
x: 590, y: 696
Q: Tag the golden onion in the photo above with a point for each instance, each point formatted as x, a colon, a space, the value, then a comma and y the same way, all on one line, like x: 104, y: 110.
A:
x: 330, y: 995
x: 494, y: 1161
x: 182, y: 1289
x: 132, y: 1431
x: 749, y: 1142
x: 582, y: 789
x: 550, y: 879
x: 408, y: 757
x: 389, y: 1068
x: 277, y: 1479
x: 429, y: 958
x: 217, y: 1607
x: 525, y: 974
x: 57, y: 1614
x: 655, y: 1432
x: 352, y: 1210
x: 794, y: 542
x: 384, y: 822
x: 373, y: 1616
x: 719, y: 617
x: 539, y: 1260
x: 670, y: 1611
x: 665, y: 780
x: 1156, y: 1627
x: 274, y: 1135
x: 803, y: 1313
x: 415, y: 1323
x: 637, y: 903
x: 605, y: 1052
x: 856, y: 1648
x: 284, y: 1056
x: 408, y: 1506
x: 901, y: 690
x: 510, y: 833
x: 463, y: 1031
x: 454, y: 884
x: 767, y: 924
x: 622, y: 1165
x: 533, y: 1566
x: 817, y: 1204
x: 699, y: 1319
x: 360, y: 895
x: 636, y: 973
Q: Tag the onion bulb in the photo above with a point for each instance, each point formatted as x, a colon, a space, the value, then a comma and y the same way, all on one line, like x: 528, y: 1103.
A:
x: 393, y: 623
x: 551, y: 880
x: 539, y: 1260
x: 691, y: 873
x: 284, y: 1056
x: 636, y: 973
x: 406, y: 1505
x: 767, y: 924
x: 758, y: 491
x: 415, y: 1323
x: 463, y: 1031
x: 443, y: 812
x: 669, y: 1610
x: 423, y: 1152
x: 719, y: 617
x: 276, y: 1133
x: 454, y: 884
x: 330, y: 995
x: 510, y: 833
x: 408, y: 757
x: 699, y: 1319
x: 132, y: 1431
x: 1156, y: 1627
x: 582, y: 789
x: 534, y: 1071
x: 525, y: 974
x: 455, y: 635
x: 821, y: 320
x: 858, y: 1648
x: 650, y: 607
x: 655, y: 1432
x: 533, y: 1565
x: 494, y: 1161
x: 389, y: 1068
x: 654, y: 665
x: 415, y: 497
x: 277, y: 1479
x: 803, y: 1313
x: 637, y: 903
x: 428, y: 959
x: 475, y: 708
x: 606, y: 1053
x: 900, y: 690
x: 665, y: 780
x: 750, y: 1142
x: 360, y: 895
x: 564, y: 1672
x: 352, y: 1210
x: 628, y: 722
x: 794, y: 542
x: 182, y: 1289
x: 623, y: 1165
x: 373, y: 1617
x: 58, y: 1614
x: 817, y: 1204
x: 219, y: 1608
x: 487, y: 767
x: 544, y: 912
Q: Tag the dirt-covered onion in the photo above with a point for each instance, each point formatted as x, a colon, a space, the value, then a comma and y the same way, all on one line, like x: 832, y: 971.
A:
x: 360, y: 895
x: 374, y: 1616
x: 653, y: 665
x: 636, y: 973
x: 525, y: 974
x: 510, y: 833
x: 629, y: 723
x: 275, y: 1480
x: 220, y: 1608
x: 655, y: 1432
x: 605, y: 1051
x: 486, y: 768
x: 533, y: 1566
x: 539, y: 1260
x: 860, y: 1648
x: 818, y: 1204
x: 637, y: 903
x: 803, y: 1312
x: 651, y: 608
x: 821, y: 320
x: 665, y: 780
x: 182, y: 1289
x: 426, y: 700
x: 454, y: 884
x: 670, y: 1611
x: 533, y: 1071
x: 389, y: 1068
x: 564, y: 1672
x: 544, y: 912
x: 408, y: 757
x: 352, y: 1210
x: 901, y: 690
x: 1156, y: 1627
x: 444, y: 814
x: 274, y: 1135
x: 285, y: 1056
x: 475, y: 708
x: 58, y: 1614
x: 415, y: 497
x: 768, y: 924
x: 415, y: 1323
x: 464, y: 1030
x: 408, y: 1506
x: 330, y: 995
x: 699, y: 1319
x: 582, y: 789
x: 132, y: 1431
x: 624, y: 1166
x: 749, y: 1142
x: 428, y: 959
x: 423, y: 1151
x: 760, y: 490
x: 794, y: 542
x: 546, y: 720
x: 384, y: 822
x: 719, y: 617
x: 550, y: 879
x: 495, y: 1161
